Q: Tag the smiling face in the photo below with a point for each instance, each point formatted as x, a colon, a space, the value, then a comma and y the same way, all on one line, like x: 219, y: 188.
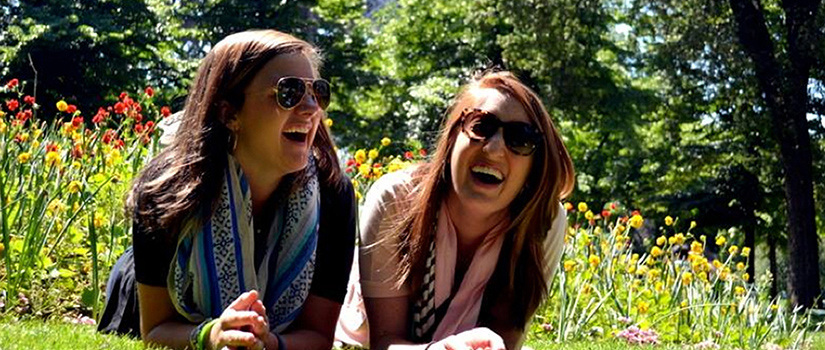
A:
x: 486, y: 175
x: 270, y: 138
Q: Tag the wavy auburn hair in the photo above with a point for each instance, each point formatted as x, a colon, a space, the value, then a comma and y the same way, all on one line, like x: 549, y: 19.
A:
x: 187, y: 175
x: 532, y: 212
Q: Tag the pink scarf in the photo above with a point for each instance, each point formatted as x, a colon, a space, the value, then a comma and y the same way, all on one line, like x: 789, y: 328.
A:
x: 462, y: 314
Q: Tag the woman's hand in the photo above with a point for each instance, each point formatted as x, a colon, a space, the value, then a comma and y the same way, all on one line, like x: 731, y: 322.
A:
x: 243, y: 323
x: 476, y: 339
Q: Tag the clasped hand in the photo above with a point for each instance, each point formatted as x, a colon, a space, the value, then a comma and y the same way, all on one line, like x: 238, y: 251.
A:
x: 242, y: 324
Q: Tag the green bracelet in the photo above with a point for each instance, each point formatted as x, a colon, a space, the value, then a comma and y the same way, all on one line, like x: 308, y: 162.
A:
x: 204, y: 334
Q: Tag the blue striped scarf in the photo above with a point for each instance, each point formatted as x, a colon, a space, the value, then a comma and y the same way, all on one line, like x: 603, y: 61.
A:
x: 214, y: 262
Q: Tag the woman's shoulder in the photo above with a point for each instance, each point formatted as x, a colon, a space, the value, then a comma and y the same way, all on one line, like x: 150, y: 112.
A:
x: 392, y: 187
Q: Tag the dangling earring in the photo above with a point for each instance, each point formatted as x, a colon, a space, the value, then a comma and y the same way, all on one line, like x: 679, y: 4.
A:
x: 232, y: 140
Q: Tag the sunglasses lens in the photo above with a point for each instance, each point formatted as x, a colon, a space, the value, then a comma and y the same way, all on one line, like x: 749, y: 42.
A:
x: 322, y: 92
x: 481, y: 126
x: 290, y: 92
x: 521, y: 138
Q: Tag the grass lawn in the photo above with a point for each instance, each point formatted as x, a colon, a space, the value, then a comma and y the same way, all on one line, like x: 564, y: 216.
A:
x: 31, y: 335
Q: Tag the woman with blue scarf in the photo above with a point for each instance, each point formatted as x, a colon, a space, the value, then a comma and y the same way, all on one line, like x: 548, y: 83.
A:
x: 244, y: 226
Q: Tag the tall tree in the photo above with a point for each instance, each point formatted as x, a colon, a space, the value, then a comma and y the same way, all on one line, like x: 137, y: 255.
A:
x: 783, y: 69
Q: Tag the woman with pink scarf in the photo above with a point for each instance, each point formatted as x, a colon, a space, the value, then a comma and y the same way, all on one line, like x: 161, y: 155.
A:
x: 459, y: 252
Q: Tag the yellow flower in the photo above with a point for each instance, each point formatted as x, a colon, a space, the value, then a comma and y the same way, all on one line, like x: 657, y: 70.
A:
x: 569, y: 265
x: 385, y: 141
x: 582, y: 206
x: 643, y: 307
x: 597, y: 230
x: 654, y: 274
x: 740, y: 266
x: 671, y: 240
x: 328, y: 122
x: 373, y: 153
x: 378, y: 172
x: 357, y: 195
x: 774, y: 307
x: 717, y: 264
x: 668, y: 220
x: 746, y: 251
x: 360, y: 156
x: 739, y: 290
x: 365, y: 170
x: 680, y: 238
x: 746, y: 276
x: 76, y: 164
x: 74, y: 187
x: 661, y: 241
x: 568, y: 206
x: 692, y: 225
x: 588, y: 215
x: 697, y: 247
x: 62, y: 106
x: 23, y: 137
x: 24, y: 157
x: 2, y: 123
x: 620, y: 229
x: 98, y: 221
x: 52, y: 158
x: 720, y: 241
x: 637, y: 221
x: 594, y: 260
x: 659, y: 286
x: 687, y: 277
x: 733, y: 249
x: 684, y: 304
x: 656, y: 252
x: 354, y: 184
x: 55, y: 206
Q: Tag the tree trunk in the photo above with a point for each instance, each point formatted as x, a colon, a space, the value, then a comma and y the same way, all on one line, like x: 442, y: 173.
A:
x: 784, y: 90
x: 774, y: 268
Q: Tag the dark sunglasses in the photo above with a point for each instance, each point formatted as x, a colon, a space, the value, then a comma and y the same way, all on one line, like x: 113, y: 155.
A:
x: 289, y: 91
x: 520, y: 137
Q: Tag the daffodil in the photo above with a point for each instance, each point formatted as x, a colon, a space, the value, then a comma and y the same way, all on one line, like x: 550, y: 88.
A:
x: 687, y: 277
x: 733, y: 250
x: 62, y: 106
x: 588, y: 215
x: 656, y: 252
x: 74, y: 186
x: 746, y: 251
x: 328, y: 122
x: 385, y: 141
x: 569, y: 265
x: 365, y: 170
x: 582, y: 206
x: 52, y: 158
x: 661, y: 241
x: 668, y: 220
x: 594, y: 260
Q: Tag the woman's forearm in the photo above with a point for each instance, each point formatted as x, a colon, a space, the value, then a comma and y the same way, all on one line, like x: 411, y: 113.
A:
x: 172, y: 334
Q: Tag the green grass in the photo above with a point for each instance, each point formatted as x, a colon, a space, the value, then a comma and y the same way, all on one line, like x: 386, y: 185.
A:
x: 29, y: 335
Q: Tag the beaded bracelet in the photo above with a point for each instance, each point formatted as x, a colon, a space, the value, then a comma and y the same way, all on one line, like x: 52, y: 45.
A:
x: 195, y: 334
x: 204, y: 334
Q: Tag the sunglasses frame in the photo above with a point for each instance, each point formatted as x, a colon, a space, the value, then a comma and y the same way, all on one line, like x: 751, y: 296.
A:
x: 536, y: 137
x: 309, y: 84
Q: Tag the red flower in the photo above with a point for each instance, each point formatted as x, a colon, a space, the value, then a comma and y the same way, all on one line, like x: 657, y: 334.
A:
x: 613, y: 206
x: 98, y: 118
x: 77, y: 151
x: 150, y: 127
x: 408, y: 155
x: 76, y: 121
x: 145, y: 139
x: 422, y: 152
x: 128, y: 101
x: 605, y: 213
x: 350, y: 162
x: 28, y: 100
x: 108, y: 136
x: 12, y: 83
x: 123, y: 95
x: 138, y: 128
x: 24, y: 115
x: 349, y: 169
x: 52, y: 147
x: 149, y: 91
x: 12, y: 104
x: 120, y: 107
x: 71, y: 109
x: 119, y: 143
x: 165, y: 112
x: 376, y: 165
x: 138, y: 117
x: 635, y: 212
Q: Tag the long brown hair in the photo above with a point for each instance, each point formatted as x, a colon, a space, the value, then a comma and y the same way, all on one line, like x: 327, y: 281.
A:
x: 186, y: 175
x: 532, y: 211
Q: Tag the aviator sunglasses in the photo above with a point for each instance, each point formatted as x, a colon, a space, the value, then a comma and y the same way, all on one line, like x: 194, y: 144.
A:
x: 520, y: 137
x: 289, y: 91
